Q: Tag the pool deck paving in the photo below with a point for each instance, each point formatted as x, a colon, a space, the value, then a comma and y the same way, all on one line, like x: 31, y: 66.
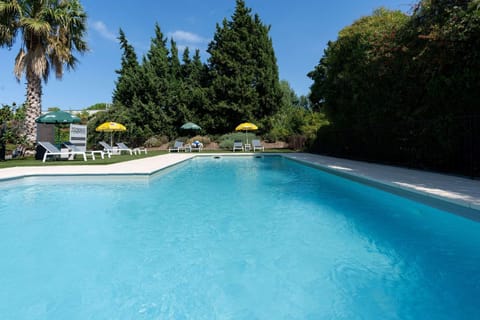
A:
x: 457, y: 194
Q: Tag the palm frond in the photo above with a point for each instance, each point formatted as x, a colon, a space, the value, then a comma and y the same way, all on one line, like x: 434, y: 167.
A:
x: 19, y: 64
x: 52, y: 30
x: 11, y: 8
x: 9, y: 12
x: 35, y: 27
x: 37, y: 62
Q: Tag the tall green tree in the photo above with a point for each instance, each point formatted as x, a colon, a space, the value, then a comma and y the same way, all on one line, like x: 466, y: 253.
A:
x: 354, y: 80
x: 11, y: 127
x: 50, y: 32
x: 177, y: 89
x: 140, y: 98
x: 195, y: 78
x: 158, y: 98
x: 243, y: 71
x: 128, y: 74
x: 443, y: 41
x: 404, y: 89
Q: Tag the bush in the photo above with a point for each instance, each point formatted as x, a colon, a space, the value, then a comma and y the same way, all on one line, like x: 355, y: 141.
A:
x: 156, y: 141
x: 203, y: 139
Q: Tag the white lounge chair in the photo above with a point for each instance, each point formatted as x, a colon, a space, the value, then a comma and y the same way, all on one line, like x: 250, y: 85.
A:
x: 107, y: 148
x: 123, y: 147
x: 90, y: 153
x: 51, y: 150
x: 257, y: 145
x: 237, y: 145
x: 136, y: 150
x: 113, y: 150
x: 178, y: 146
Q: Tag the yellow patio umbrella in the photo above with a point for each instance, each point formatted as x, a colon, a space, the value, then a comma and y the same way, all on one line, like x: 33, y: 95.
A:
x: 111, y: 126
x: 247, y: 126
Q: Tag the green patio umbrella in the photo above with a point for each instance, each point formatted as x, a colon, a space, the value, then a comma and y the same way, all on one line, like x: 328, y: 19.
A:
x: 57, y: 117
x: 190, y: 126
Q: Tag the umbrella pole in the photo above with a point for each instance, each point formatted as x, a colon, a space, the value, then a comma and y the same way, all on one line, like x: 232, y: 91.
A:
x: 111, y: 139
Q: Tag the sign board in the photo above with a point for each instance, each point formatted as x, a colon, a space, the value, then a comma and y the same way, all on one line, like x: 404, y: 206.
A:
x: 78, y: 136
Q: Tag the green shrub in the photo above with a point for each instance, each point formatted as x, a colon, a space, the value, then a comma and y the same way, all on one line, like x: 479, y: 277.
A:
x: 203, y: 139
x: 156, y: 141
x: 226, y: 141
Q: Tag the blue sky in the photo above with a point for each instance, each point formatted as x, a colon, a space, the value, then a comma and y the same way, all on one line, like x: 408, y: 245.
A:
x: 300, y: 31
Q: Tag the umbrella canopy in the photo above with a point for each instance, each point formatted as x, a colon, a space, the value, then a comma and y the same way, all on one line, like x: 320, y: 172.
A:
x: 111, y: 127
x: 56, y: 117
x: 246, y: 126
x: 190, y: 126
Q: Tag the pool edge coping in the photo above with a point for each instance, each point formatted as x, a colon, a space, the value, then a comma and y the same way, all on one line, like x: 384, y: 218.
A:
x: 457, y: 207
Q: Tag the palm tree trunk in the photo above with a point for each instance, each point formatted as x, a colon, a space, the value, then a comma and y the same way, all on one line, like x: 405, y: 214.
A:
x: 34, y: 107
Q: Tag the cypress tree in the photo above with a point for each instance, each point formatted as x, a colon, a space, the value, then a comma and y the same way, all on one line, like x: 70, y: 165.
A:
x: 127, y: 75
x: 194, y: 74
x: 243, y: 71
x: 156, y: 68
x: 178, y: 109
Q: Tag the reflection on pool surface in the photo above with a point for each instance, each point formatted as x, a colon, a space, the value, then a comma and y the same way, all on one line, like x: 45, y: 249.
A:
x: 231, y: 238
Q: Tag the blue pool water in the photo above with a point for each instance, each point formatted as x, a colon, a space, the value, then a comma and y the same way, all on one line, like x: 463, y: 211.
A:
x: 231, y: 238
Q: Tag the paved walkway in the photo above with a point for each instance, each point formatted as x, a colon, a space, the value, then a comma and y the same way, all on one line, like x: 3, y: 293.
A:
x: 461, y: 194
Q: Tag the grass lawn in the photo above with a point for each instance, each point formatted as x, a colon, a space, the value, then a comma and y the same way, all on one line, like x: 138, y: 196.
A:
x: 30, y: 161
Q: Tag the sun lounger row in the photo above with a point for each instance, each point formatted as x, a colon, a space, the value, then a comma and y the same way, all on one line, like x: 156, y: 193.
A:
x: 72, y: 150
x: 239, y: 146
x: 180, y: 146
x: 51, y: 150
x: 121, y: 147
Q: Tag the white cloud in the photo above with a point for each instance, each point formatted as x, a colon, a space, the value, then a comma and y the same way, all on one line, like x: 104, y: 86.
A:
x: 187, y: 37
x: 102, y: 29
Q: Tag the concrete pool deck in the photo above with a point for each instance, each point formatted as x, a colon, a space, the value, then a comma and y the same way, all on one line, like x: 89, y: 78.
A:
x: 456, y: 194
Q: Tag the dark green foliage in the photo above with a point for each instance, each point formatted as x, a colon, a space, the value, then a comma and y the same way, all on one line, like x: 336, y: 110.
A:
x: 244, y: 84
x: 158, y: 95
x: 128, y: 75
x: 11, y: 127
x: 142, y: 100
x: 98, y: 106
x: 226, y: 140
x: 295, y: 118
x: 402, y: 89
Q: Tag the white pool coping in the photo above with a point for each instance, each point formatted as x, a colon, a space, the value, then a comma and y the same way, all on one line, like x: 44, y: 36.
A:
x: 444, y: 190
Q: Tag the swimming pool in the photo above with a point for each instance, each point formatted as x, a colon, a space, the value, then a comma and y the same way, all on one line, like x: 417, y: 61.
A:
x: 231, y: 238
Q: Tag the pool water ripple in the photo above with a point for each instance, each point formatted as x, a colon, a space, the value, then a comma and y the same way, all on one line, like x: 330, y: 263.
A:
x: 232, y: 238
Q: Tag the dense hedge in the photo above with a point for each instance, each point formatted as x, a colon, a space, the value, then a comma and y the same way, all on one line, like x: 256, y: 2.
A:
x: 404, y: 89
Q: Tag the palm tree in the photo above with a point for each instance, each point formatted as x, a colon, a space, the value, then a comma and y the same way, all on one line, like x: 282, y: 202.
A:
x: 51, y: 30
